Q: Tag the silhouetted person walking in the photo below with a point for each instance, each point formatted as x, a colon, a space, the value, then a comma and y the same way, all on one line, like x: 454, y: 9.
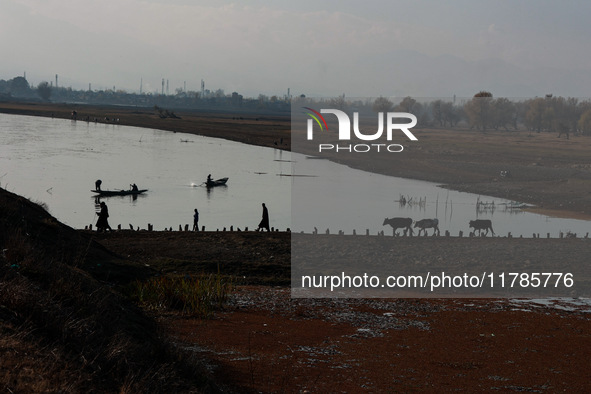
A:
x: 265, y: 220
x: 196, y: 220
x: 102, y: 223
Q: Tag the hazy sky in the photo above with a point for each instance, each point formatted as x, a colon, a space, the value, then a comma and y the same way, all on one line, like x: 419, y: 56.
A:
x: 421, y: 48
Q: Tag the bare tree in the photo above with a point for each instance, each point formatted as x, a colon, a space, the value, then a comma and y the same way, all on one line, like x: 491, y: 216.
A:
x: 478, y: 110
x: 407, y: 104
x: 382, y: 104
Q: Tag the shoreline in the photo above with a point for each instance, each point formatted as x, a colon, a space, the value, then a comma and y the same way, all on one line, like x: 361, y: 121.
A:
x: 549, y: 173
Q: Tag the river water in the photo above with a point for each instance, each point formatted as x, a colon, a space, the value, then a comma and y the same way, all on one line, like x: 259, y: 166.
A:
x: 56, y: 162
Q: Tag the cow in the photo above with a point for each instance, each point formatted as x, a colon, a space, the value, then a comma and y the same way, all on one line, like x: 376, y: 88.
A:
x: 424, y: 224
x: 482, y: 224
x: 397, y: 223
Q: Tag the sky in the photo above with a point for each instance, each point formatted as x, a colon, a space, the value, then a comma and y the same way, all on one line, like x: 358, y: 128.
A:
x: 422, y: 48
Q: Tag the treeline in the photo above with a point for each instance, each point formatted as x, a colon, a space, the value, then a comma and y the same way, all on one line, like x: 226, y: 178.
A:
x: 19, y: 89
x: 484, y: 112
x: 481, y: 112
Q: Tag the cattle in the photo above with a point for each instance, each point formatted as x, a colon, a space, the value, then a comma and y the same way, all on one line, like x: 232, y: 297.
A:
x: 424, y: 224
x: 397, y: 223
x: 482, y: 224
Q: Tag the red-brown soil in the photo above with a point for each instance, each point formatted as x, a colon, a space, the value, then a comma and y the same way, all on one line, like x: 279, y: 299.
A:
x: 267, y: 342
x: 264, y: 341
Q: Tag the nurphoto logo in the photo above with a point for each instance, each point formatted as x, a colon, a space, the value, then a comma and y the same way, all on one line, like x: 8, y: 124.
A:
x: 344, y: 133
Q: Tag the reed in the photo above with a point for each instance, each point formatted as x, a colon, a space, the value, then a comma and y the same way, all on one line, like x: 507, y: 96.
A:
x: 197, y: 295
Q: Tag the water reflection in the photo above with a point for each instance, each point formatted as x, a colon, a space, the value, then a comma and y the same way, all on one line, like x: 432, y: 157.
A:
x: 56, y: 162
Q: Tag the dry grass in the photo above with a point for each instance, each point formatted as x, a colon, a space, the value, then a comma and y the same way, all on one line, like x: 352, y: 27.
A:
x: 62, y: 330
x: 198, y: 296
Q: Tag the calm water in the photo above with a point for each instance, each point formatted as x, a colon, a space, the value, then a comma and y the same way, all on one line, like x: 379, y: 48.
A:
x: 56, y: 162
x: 357, y: 200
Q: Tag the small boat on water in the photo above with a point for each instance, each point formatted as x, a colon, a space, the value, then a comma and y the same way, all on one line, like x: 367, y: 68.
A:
x: 217, y: 182
x: 109, y: 193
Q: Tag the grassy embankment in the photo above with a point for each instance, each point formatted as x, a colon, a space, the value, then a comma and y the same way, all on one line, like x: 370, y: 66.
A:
x: 65, y: 326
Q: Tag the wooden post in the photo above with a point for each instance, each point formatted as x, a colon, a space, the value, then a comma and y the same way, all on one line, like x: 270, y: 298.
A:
x: 202, y: 228
x: 327, y: 231
x: 461, y: 234
x: 354, y: 232
x: 366, y: 231
x: 186, y: 227
x: 232, y: 228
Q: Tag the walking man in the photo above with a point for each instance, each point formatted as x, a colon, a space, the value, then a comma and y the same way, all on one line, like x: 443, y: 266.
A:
x: 102, y: 223
x: 265, y: 220
x: 196, y: 220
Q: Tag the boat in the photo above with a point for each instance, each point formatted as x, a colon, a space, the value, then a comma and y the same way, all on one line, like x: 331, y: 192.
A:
x: 109, y: 193
x: 217, y: 182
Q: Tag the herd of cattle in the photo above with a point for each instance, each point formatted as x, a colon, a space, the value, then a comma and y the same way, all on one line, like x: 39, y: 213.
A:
x: 424, y: 224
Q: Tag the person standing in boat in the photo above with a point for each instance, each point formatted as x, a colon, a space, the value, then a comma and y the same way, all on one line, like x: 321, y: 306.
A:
x: 102, y: 223
x: 97, y: 185
x: 209, y: 181
x: 134, y: 187
x: 196, y: 220
x: 264, y: 224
